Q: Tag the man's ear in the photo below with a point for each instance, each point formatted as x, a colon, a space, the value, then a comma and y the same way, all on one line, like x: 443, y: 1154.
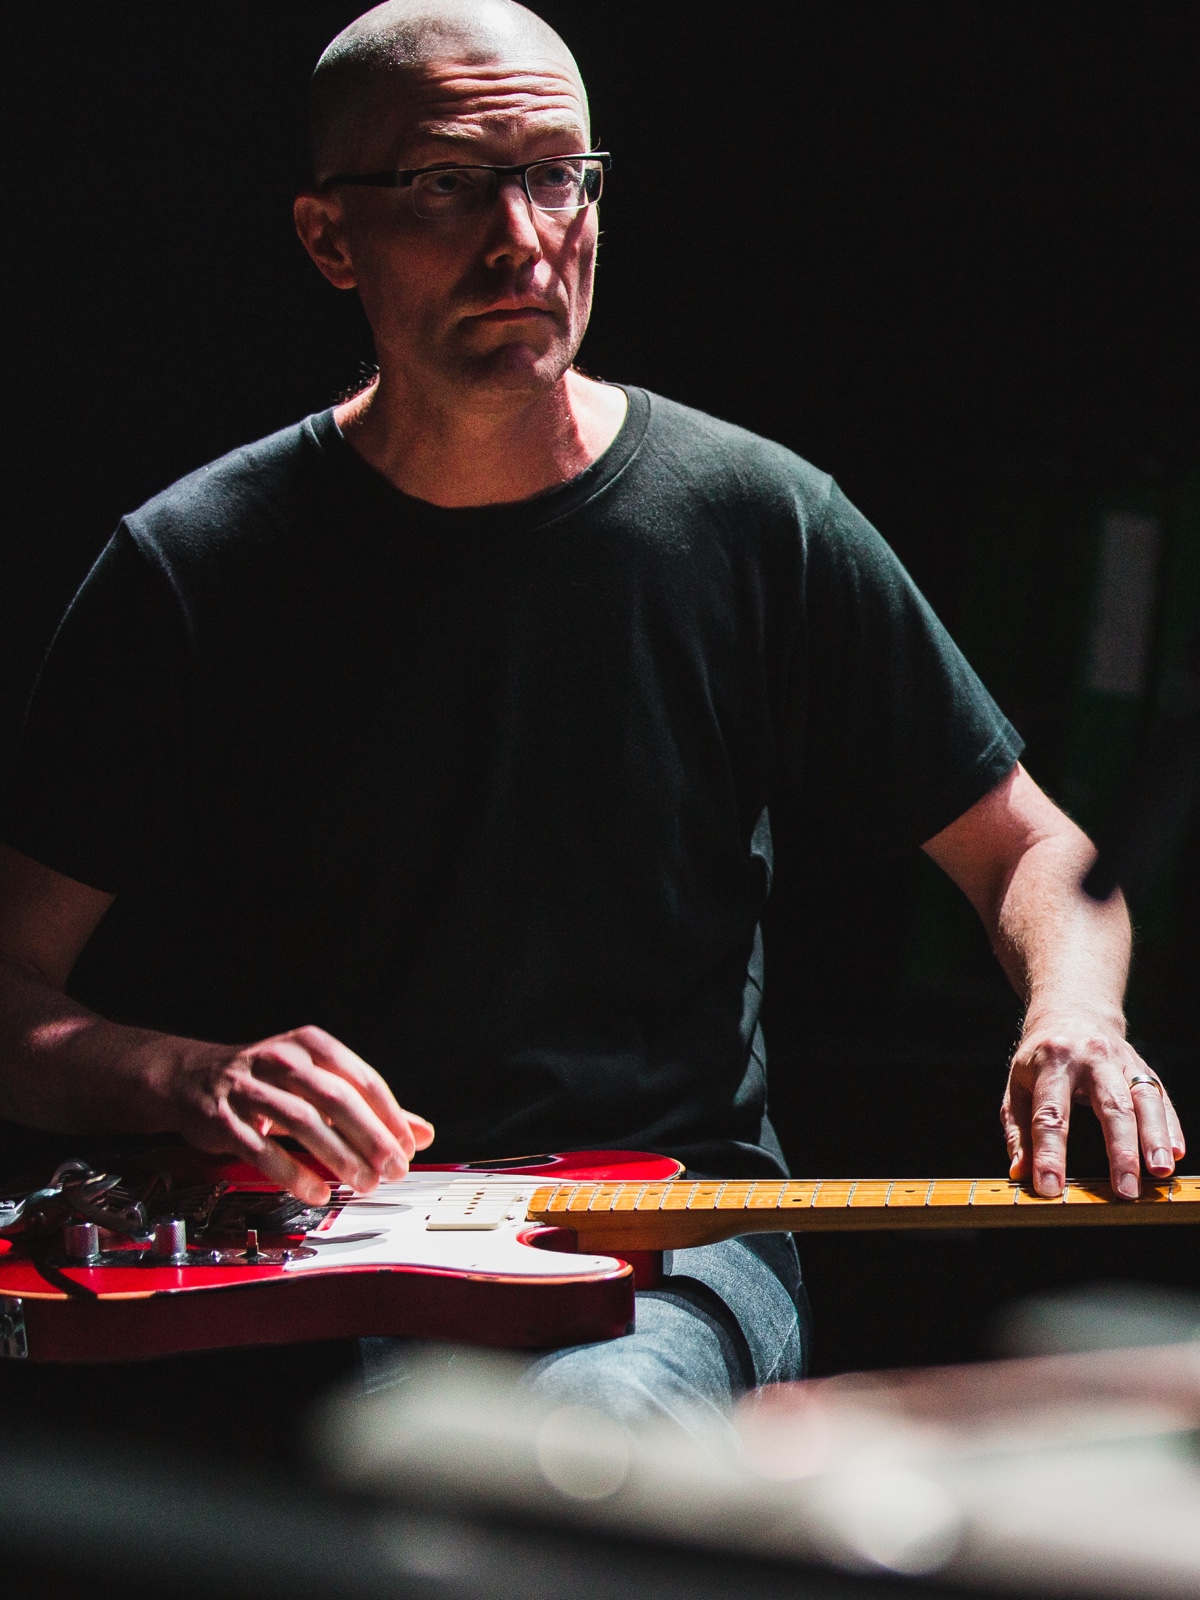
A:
x: 320, y: 223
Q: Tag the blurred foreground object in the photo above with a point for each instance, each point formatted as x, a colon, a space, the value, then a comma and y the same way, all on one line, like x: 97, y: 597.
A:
x: 79, y: 1517
x: 1098, y: 1316
x: 1068, y: 1474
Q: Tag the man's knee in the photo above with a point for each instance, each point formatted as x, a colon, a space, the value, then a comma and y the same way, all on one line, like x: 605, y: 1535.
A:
x: 674, y: 1367
x: 728, y: 1318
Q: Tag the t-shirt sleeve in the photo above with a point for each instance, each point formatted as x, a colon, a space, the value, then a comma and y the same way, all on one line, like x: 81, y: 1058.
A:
x: 892, y: 735
x: 95, y: 787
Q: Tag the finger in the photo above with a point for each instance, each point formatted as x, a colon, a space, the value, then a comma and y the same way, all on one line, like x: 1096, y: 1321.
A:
x: 233, y: 1135
x: 332, y: 1053
x: 282, y: 1168
x: 1015, y: 1136
x: 1113, y: 1105
x: 1049, y: 1122
x: 291, y: 1113
x: 1154, y: 1133
x: 1178, y: 1142
x: 422, y: 1131
x: 341, y: 1106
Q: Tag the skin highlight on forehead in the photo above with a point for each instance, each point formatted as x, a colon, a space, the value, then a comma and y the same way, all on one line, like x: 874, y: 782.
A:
x: 424, y: 70
x: 505, y: 103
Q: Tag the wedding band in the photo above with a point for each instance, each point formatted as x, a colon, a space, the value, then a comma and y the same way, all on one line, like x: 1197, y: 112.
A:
x: 1143, y: 1077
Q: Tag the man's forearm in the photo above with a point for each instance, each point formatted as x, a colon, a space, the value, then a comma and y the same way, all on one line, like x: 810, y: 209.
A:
x: 62, y: 1067
x: 1061, y: 950
x: 1020, y: 861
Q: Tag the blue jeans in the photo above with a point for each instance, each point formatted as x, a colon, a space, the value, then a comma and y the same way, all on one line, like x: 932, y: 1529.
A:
x: 728, y: 1318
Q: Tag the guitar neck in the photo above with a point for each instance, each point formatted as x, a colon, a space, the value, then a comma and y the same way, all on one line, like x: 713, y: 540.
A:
x: 679, y: 1213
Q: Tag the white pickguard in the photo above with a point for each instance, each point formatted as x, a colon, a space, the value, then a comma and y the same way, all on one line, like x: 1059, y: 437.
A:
x: 443, y: 1219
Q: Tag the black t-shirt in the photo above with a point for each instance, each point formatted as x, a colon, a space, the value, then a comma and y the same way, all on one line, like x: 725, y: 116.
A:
x: 486, y: 792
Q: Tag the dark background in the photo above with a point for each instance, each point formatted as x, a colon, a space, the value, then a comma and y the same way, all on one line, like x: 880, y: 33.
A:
x: 947, y: 252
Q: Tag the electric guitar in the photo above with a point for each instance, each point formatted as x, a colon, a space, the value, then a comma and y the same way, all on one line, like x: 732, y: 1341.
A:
x: 189, y: 1252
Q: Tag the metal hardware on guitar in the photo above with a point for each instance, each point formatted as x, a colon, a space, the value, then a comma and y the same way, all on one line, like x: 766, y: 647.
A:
x: 78, y: 1206
x: 74, y: 1194
x: 169, y: 1247
x: 14, y: 1346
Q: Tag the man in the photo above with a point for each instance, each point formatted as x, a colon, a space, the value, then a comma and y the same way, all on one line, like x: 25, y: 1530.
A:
x: 453, y: 719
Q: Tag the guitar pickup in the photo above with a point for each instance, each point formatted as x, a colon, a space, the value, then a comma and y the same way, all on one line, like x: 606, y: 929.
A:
x: 468, y: 1207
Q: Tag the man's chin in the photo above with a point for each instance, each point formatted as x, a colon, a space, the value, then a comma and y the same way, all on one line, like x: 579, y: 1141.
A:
x: 513, y: 369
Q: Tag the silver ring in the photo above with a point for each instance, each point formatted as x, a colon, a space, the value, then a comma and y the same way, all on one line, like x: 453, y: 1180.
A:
x: 1143, y: 1077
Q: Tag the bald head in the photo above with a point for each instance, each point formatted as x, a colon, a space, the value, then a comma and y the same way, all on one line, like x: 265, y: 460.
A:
x: 361, y: 73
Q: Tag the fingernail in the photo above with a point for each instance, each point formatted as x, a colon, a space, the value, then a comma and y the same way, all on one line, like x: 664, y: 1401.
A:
x: 1128, y: 1186
x: 1160, y: 1158
x: 1048, y: 1184
x: 395, y: 1167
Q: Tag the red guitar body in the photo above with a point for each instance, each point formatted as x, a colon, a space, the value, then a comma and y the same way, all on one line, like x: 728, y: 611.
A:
x: 503, y: 1289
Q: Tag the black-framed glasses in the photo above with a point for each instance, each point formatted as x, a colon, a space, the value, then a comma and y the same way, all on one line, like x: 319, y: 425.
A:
x: 555, y: 183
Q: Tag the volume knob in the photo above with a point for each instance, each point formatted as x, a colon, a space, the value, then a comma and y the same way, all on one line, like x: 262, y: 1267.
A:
x: 170, y: 1241
x: 81, y: 1241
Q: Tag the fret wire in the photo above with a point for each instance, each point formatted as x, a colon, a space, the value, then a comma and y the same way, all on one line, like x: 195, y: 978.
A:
x: 670, y: 1190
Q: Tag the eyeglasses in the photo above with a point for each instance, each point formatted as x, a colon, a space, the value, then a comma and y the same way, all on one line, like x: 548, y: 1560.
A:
x: 556, y: 183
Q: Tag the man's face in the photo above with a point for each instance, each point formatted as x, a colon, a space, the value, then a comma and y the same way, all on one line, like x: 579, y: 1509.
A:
x: 497, y: 301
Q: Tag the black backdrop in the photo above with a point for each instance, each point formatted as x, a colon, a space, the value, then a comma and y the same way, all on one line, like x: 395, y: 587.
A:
x: 895, y: 236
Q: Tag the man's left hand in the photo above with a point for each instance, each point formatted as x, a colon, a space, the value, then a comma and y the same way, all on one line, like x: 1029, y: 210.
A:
x: 1067, y: 1057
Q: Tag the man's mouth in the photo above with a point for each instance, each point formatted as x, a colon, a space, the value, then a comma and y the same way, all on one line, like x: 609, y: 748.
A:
x: 510, y: 313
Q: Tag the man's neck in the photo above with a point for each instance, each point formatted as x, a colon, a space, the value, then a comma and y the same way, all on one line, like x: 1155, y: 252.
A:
x: 454, y: 456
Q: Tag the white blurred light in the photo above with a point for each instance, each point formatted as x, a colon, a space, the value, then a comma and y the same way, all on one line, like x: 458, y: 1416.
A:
x: 583, y: 1454
x: 886, y: 1517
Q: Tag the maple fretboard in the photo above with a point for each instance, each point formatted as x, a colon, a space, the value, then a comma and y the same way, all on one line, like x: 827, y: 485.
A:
x: 677, y: 1213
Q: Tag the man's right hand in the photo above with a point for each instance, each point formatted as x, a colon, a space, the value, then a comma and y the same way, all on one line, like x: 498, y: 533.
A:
x: 305, y: 1083
x: 62, y: 1067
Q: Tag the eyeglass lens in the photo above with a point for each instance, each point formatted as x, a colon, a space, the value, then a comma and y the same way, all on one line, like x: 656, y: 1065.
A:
x: 551, y: 186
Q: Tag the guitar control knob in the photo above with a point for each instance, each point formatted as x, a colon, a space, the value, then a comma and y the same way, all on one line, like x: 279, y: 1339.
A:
x: 170, y: 1241
x: 81, y: 1242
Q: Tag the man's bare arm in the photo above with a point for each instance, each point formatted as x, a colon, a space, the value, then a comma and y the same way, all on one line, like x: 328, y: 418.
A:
x: 1020, y: 861
x: 63, y: 1067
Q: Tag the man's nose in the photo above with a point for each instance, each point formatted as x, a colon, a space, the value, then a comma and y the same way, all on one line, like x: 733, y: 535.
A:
x: 514, y: 233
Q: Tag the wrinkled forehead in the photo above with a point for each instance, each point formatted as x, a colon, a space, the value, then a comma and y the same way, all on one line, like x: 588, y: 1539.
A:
x: 437, y: 108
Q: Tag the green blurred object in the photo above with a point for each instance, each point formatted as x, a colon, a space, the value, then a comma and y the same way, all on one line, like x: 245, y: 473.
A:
x: 1080, y: 593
